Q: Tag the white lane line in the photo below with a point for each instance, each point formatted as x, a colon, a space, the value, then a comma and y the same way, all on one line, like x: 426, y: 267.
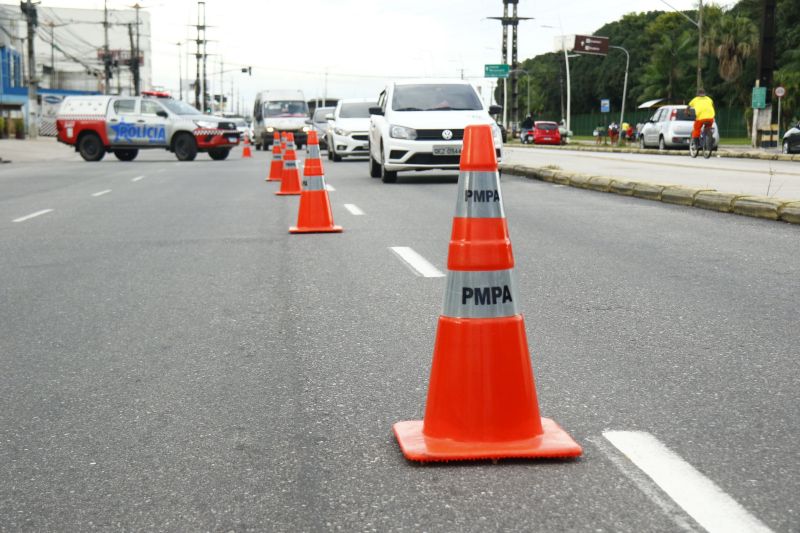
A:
x: 137, y: 178
x: 101, y: 193
x: 32, y: 215
x: 353, y: 209
x: 419, y: 265
x: 330, y: 188
x: 697, y: 495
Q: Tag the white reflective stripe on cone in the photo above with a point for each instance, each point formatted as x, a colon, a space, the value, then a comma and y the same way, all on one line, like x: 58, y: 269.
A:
x: 291, y: 146
x: 471, y: 294
x: 314, y: 183
x: 479, y: 195
x: 313, y: 151
x: 277, y: 157
x: 290, y: 164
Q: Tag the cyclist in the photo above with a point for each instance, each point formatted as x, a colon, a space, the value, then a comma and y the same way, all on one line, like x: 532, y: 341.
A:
x: 704, y: 114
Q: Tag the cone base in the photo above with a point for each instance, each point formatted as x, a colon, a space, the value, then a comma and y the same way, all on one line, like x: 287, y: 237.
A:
x: 280, y: 193
x: 325, y: 229
x: 553, y: 443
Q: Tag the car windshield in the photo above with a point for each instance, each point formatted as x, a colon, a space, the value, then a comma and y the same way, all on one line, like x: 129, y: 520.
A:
x: 319, y: 114
x: 551, y: 126
x: 435, y: 97
x: 286, y: 108
x: 178, y: 107
x: 356, y: 110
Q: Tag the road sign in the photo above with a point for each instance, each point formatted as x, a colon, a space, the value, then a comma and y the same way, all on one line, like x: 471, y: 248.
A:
x: 759, y: 98
x: 605, y: 105
x: 590, y: 44
x: 780, y: 92
x: 495, y: 71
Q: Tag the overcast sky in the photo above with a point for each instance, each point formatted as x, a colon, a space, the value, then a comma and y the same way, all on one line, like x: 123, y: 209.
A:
x: 360, y: 43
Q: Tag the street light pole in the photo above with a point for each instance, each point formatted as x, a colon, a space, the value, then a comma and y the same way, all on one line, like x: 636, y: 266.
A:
x: 625, y: 86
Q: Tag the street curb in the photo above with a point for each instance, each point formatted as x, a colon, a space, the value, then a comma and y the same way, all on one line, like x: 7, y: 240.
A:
x: 652, y: 151
x: 753, y: 206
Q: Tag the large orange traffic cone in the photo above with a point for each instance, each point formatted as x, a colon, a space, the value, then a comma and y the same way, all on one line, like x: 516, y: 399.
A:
x: 246, y: 150
x: 315, y: 214
x: 290, y: 176
x: 481, y: 397
x: 276, y: 166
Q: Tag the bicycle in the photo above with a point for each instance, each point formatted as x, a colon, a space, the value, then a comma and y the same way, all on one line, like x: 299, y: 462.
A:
x: 706, y: 142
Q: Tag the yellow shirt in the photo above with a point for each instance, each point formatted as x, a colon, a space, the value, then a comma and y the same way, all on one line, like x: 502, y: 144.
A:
x: 703, y: 107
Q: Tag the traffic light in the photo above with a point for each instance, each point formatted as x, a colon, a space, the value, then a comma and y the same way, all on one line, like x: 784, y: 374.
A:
x: 248, y: 70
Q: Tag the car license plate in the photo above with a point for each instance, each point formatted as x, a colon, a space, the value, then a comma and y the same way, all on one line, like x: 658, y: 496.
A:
x: 233, y: 139
x: 447, y: 150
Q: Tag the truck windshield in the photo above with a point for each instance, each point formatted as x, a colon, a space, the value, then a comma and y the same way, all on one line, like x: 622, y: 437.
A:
x: 356, y: 110
x: 286, y: 108
x: 178, y: 107
x: 435, y: 97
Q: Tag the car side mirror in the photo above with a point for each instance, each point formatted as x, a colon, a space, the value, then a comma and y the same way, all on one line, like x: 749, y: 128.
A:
x: 162, y: 114
x: 309, y: 121
x: 495, y: 109
x: 375, y: 110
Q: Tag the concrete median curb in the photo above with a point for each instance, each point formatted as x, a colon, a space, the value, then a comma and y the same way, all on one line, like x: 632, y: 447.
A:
x: 752, y: 206
x: 766, y: 156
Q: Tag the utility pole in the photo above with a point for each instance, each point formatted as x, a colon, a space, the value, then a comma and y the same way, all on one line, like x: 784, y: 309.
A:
x: 180, y: 72
x: 29, y: 9
x: 512, y: 21
x: 766, y: 63
x: 135, y: 60
x: 200, y: 53
x: 106, y: 51
x: 625, y: 85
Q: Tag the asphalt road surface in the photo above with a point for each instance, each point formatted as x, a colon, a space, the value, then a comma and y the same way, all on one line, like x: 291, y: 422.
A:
x: 172, y: 359
x: 780, y: 179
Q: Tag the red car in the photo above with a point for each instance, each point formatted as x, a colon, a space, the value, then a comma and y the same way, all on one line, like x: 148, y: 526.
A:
x: 546, y: 133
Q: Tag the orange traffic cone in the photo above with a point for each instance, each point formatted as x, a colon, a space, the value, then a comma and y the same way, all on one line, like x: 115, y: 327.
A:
x: 246, y: 150
x: 290, y: 177
x: 315, y: 214
x: 276, y: 166
x: 481, y: 397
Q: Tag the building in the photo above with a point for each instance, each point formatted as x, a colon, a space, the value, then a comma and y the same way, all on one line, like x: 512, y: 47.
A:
x: 70, y: 52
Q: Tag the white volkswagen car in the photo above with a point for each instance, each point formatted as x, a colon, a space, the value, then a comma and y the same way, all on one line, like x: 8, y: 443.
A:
x: 419, y: 125
x: 347, y: 131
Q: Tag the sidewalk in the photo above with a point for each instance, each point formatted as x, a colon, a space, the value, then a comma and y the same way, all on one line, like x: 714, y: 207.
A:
x: 43, y: 149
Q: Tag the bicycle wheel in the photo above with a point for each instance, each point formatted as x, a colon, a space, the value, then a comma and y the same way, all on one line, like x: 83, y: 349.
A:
x: 693, y: 147
x: 707, y: 140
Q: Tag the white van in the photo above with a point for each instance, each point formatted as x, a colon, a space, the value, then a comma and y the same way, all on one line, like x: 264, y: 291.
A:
x: 280, y: 111
x: 419, y: 125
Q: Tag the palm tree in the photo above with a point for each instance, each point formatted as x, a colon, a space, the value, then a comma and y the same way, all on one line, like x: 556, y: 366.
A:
x: 733, y: 39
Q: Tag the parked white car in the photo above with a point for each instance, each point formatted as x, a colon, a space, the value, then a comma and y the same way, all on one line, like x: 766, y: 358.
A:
x: 347, y: 133
x: 670, y: 127
x: 419, y: 125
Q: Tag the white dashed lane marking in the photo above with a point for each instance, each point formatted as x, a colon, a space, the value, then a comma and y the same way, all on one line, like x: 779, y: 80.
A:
x: 101, y: 193
x: 33, y: 215
x: 329, y: 188
x: 137, y: 178
x: 354, y: 210
x: 697, y: 495
x: 418, y: 264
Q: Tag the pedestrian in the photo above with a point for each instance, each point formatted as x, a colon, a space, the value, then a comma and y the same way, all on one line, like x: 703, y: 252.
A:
x: 613, y: 133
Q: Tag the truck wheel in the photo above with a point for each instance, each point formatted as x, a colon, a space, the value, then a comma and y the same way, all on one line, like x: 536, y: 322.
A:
x: 219, y: 154
x: 91, y: 147
x: 185, y: 147
x: 127, y: 154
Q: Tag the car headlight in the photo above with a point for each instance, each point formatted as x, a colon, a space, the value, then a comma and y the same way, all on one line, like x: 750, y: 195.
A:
x: 206, y: 124
x: 306, y: 129
x: 270, y: 129
x: 341, y: 131
x: 401, y: 132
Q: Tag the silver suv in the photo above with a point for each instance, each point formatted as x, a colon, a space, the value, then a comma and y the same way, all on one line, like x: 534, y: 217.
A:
x: 670, y: 127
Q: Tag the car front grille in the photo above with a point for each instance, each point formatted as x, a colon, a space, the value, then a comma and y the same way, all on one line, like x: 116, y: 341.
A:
x: 360, y: 137
x: 436, y: 135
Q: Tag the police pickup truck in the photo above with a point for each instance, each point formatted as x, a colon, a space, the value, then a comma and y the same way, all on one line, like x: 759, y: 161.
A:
x: 124, y: 125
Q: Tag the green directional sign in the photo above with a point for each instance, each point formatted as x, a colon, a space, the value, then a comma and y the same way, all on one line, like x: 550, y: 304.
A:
x: 759, y: 97
x: 495, y: 71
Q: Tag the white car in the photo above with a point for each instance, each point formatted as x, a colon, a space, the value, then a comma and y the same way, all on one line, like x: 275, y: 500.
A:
x: 670, y: 127
x: 419, y: 125
x: 347, y: 129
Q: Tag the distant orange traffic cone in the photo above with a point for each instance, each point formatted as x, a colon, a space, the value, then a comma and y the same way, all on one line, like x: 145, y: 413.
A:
x: 290, y: 177
x: 314, y: 215
x: 246, y: 150
x: 276, y: 166
x: 481, y: 398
